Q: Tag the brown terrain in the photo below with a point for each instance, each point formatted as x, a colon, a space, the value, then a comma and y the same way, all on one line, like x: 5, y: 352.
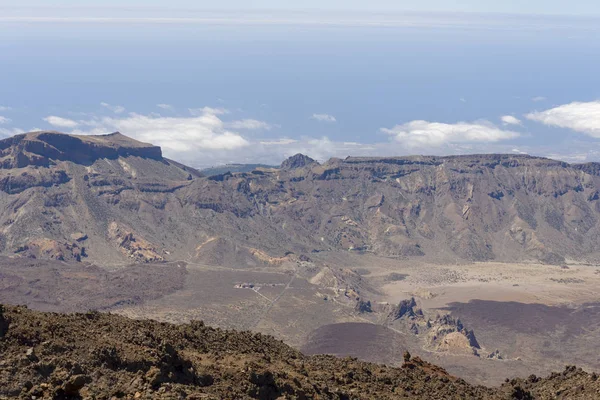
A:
x: 487, y: 265
x: 96, y: 355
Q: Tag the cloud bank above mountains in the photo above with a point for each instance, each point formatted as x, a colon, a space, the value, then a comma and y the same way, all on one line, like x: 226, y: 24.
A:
x: 213, y: 135
x: 209, y: 136
x: 577, y: 116
x: 417, y: 134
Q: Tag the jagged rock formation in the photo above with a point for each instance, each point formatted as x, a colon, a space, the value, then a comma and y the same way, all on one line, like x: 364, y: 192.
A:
x: 443, y: 333
x: 363, y: 307
x: 448, y: 334
x: 406, y: 308
x: 297, y: 161
x: 471, y: 208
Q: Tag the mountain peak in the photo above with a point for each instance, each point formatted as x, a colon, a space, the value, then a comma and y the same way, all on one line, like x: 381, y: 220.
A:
x: 297, y: 161
x: 44, y: 148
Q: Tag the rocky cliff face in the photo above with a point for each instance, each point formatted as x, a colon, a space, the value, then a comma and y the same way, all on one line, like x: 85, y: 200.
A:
x: 47, y: 148
x: 470, y: 208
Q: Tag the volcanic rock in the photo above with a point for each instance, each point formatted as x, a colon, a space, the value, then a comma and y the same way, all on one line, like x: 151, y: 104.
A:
x: 95, y: 355
x: 404, y: 308
x: 363, y: 307
x: 297, y: 161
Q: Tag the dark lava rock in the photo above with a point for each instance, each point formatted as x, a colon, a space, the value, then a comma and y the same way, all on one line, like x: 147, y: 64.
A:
x: 405, y: 308
x: 363, y: 307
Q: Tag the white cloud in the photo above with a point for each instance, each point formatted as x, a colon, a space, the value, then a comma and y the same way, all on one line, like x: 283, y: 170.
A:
x: 538, y: 99
x: 4, y: 120
x: 249, y: 124
x: 324, y: 118
x: 189, y: 139
x: 510, y: 120
x: 580, y: 117
x: 208, y: 110
x: 4, y: 108
x: 278, y: 142
x: 318, y: 148
x: 324, y: 148
x: 165, y: 106
x: 570, y: 158
x: 115, y: 109
x: 10, y: 132
x: 60, y: 122
x: 207, y: 138
x: 424, y: 133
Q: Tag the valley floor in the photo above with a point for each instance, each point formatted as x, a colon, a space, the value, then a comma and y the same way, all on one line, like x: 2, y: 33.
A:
x: 538, y: 317
x: 525, y: 318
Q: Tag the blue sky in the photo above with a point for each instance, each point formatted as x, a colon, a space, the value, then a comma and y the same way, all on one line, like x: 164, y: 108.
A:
x: 233, y: 86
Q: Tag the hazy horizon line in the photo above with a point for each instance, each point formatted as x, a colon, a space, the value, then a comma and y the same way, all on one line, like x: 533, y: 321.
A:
x: 416, y: 19
x: 386, y: 12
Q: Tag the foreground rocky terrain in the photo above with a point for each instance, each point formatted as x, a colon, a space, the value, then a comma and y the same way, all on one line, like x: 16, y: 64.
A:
x: 95, y: 355
x: 112, y: 199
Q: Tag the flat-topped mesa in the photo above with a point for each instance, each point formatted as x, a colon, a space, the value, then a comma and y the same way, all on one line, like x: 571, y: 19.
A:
x: 476, y: 163
x: 46, y: 148
x: 489, y: 160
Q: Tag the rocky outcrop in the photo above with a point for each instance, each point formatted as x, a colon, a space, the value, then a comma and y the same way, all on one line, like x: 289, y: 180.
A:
x: 406, y: 308
x: 297, y: 161
x: 443, y: 333
x: 14, y: 184
x: 363, y: 307
x: 51, y: 249
x: 131, y: 245
x: 495, y: 355
x: 449, y: 335
x: 455, y: 343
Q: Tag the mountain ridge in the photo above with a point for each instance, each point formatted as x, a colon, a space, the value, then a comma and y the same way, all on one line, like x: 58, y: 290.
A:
x: 500, y: 207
